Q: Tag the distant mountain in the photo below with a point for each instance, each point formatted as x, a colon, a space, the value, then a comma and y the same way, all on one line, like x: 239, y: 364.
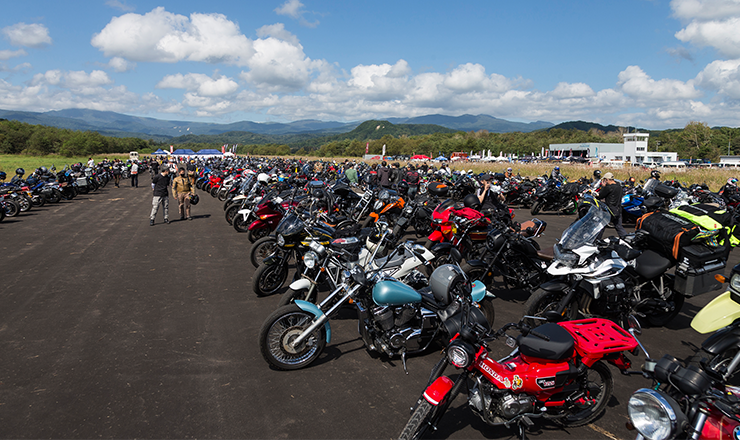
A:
x: 475, y: 123
x: 120, y: 125
x: 587, y: 126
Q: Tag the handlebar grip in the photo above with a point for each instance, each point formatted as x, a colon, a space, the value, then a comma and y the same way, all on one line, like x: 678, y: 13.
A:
x: 539, y: 335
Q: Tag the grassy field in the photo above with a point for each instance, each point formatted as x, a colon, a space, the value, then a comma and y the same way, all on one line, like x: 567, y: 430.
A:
x: 713, y: 177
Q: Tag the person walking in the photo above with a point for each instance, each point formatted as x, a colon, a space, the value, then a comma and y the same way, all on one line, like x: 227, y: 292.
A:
x: 160, y: 185
x: 182, y: 189
x: 117, y: 173
x: 135, y: 174
x: 611, y: 194
x: 384, y: 175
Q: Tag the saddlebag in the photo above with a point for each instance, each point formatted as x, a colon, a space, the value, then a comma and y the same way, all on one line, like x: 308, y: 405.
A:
x: 667, y: 233
x: 696, y: 268
x: 438, y: 189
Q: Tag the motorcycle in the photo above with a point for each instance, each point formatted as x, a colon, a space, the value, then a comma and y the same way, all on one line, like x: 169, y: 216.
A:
x: 394, y: 318
x: 556, y: 196
x: 458, y: 227
x: 557, y: 371
x: 606, y: 278
x: 515, y: 255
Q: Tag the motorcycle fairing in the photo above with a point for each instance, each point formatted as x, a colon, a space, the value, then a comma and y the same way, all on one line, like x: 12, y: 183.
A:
x: 314, y: 310
x: 722, y: 340
x: 436, y: 392
x: 720, y: 312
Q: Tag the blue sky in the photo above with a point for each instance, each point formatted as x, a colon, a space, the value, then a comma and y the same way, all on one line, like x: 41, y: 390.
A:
x: 647, y: 63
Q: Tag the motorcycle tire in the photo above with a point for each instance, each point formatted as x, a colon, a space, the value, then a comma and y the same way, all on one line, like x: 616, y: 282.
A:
x: 54, y: 197
x: 25, y: 204
x: 230, y: 214
x: 478, y: 273
x: 2, y: 215
x: 486, y: 306
x: 207, y: 187
x: 291, y: 295
x: 12, y: 209
x: 269, y: 278
x: 536, y: 208
x: 222, y: 195
x: 426, y: 415
x: 543, y: 300
x: 262, y: 248
x: 214, y: 192
x: 239, y: 224
x: 281, y: 327
x: 661, y: 319
x: 83, y: 189
x: 598, y: 379
x: 255, y: 234
x: 198, y: 185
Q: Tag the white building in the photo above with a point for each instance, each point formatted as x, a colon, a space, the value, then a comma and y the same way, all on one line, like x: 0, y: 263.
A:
x: 634, y: 150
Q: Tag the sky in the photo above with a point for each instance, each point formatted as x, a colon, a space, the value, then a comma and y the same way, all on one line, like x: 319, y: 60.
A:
x: 647, y: 63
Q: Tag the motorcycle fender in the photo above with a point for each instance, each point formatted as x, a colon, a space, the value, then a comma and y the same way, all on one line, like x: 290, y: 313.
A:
x: 726, y: 338
x: 300, y: 284
x: 270, y: 260
x: 314, y: 310
x: 244, y: 212
x: 442, y: 247
x: 436, y: 392
x: 720, y: 312
x: 257, y: 224
x: 554, y: 286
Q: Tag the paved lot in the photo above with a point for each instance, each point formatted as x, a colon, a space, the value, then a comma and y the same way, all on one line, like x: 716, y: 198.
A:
x: 112, y: 328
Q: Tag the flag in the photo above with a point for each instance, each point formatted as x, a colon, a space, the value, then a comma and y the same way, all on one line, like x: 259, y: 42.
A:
x: 367, y: 148
x: 383, y: 155
x: 172, y: 149
x: 223, y: 149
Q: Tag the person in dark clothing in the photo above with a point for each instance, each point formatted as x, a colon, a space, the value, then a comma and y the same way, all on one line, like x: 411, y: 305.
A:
x: 384, y: 175
x: 412, y: 178
x: 611, y: 194
x: 492, y: 205
x: 160, y: 188
x: 395, y: 174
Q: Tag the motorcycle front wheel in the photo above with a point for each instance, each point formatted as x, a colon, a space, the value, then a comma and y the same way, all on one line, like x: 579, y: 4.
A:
x: 12, y: 208
x: 230, y: 214
x: 269, y: 278
x: 256, y: 234
x: 536, y: 208
x: 282, y: 327
x: 240, y: 224
x: 542, y: 301
x: 263, y: 248
x: 597, y: 384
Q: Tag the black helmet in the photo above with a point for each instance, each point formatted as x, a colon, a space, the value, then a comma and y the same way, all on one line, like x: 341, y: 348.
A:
x: 655, y: 174
x: 194, y: 199
x: 43, y: 170
x: 403, y: 188
x: 3, y: 175
x: 20, y: 171
x: 597, y: 174
x: 471, y: 201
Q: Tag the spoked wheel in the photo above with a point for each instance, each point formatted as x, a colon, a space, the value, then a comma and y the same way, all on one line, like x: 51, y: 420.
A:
x: 263, y: 248
x: 542, y: 301
x: 597, y: 385
x: 278, y: 332
x: 256, y: 234
x: 269, y: 278
x: 12, y: 208
x: 231, y: 213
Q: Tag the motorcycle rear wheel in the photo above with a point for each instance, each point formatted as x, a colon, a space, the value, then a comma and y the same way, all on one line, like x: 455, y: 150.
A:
x: 599, y: 381
x: 536, y: 208
x: 283, y: 326
x: 269, y: 278
x: 263, y: 248
x: 543, y: 300
x: 12, y: 208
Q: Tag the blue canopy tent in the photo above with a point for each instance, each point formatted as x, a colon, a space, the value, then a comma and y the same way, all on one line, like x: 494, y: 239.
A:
x: 209, y: 152
x: 183, y: 152
x: 160, y: 151
x: 440, y: 158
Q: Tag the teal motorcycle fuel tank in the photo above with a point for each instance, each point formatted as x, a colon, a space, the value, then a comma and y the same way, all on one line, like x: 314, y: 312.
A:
x: 394, y: 293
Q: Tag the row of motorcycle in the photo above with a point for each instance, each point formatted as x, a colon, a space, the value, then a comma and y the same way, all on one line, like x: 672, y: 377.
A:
x: 49, y: 186
x: 348, y: 247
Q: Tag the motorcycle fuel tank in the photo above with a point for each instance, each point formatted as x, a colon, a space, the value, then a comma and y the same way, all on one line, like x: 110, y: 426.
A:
x: 394, y: 293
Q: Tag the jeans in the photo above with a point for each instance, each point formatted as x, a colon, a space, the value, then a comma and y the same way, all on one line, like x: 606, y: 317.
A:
x: 135, y: 180
x: 165, y: 201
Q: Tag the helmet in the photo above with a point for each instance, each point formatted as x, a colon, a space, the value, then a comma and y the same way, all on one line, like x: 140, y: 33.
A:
x: 263, y: 178
x: 194, y: 199
x: 732, y: 181
x: 655, y: 174
x: 508, y: 169
x: 471, y: 201
x: 20, y: 171
x: 597, y: 174
x: 403, y: 188
x: 3, y: 175
x: 556, y: 169
x: 470, y: 171
x: 443, y: 281
x: 43, y: 170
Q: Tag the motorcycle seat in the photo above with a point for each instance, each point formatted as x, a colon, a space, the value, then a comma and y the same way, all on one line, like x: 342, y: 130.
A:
x: 558, y: 348
x: 650, y: 264
x: 546, y: 254
x: 397, y: 260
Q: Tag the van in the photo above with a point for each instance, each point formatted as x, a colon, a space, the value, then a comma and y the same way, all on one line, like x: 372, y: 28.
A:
x: 133, y: 156
x: 673, y: 165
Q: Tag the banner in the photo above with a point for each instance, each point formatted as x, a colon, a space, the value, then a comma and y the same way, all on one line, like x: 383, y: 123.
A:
x: 223, y: 149
x: 383, y: 150
x: 172, y: 149
x: 367, y: 147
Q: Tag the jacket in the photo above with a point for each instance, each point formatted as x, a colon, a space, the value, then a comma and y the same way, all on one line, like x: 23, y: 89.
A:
x: 181, y: 184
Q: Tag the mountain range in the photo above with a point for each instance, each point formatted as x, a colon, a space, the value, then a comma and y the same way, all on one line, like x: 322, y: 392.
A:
x: 120, y: 125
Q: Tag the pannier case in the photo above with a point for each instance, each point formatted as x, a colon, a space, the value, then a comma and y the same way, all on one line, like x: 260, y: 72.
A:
x: 696, y: 268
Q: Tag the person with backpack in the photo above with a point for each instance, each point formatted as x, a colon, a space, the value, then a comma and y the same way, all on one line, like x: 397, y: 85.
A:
x: 611, y: 194
x: 412, y: 179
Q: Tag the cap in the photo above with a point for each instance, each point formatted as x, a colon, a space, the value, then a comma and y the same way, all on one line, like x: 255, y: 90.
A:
x: 609, y: 176
x: 486, y: 177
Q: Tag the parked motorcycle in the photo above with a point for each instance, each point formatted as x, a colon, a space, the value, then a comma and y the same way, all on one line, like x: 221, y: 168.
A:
x: 394, y: 318
x: 556, y: 196
x: 557, y: 371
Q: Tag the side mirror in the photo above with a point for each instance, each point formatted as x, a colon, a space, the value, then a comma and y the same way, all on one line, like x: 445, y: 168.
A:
x: 634, y: 325
x: 552, y: 316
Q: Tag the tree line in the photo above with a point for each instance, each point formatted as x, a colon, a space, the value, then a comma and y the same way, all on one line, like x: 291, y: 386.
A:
x: 695, y: 141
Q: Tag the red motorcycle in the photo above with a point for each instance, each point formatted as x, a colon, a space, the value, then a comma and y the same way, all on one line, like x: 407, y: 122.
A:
x: 556, y: 372
x: 269, y: 212
x: 456, y: 226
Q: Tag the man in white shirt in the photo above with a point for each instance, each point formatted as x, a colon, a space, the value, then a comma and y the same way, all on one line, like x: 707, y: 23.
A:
x: 135, y: 174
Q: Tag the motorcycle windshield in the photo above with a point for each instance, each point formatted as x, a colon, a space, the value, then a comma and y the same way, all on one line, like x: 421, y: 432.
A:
x: 585, y: 230
x: 290, y: 225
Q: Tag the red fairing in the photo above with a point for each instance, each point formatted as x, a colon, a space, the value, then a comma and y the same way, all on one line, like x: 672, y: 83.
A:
x: 437, y: 391
x: 719, y: 427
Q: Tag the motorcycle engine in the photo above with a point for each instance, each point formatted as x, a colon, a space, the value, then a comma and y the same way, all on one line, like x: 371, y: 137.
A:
x: 511, y: 405
x: 613, y: 295
x: 401, y: 328
x: 497, y: 406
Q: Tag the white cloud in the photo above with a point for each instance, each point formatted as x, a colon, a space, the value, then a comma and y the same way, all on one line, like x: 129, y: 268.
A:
x: 567, y: 90
x: 634, y: 82
x: 120, y: 5
x: 119, y: 64
x: 280, y: 66
x: 711, y: 23
x: 201, y: 85
x: 161, y: 36
x: 722, y: 77
x: 8, y: 54
x: 27, y: 35
x: 291, y: 8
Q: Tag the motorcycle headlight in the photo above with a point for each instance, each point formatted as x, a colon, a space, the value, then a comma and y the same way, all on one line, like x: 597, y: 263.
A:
x: 460, y: 354
x: 735, y: 282
x: 654, y: 415
x: 280, y: 240
x: 310, y: 259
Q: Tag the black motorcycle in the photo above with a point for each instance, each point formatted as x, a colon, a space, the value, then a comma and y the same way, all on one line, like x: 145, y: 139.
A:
x: 556, y: 196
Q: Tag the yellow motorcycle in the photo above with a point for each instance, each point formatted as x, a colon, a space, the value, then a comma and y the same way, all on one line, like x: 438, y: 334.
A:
x: 722, y: 316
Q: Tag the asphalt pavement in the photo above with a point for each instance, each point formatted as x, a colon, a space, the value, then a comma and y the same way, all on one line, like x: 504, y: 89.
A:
x: 111, y: 328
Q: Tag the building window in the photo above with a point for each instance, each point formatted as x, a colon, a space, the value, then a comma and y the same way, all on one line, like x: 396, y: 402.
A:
x: 617, y: 157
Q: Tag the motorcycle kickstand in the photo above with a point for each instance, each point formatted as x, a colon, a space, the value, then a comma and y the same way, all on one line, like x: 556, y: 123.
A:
x: 403, y: 360
x: 523, y: 424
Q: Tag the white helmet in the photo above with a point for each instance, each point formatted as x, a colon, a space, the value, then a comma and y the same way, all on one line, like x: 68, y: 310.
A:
x: 263, y: 178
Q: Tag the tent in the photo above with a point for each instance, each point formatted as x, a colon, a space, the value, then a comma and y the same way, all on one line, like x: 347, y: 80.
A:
x: 183, y: 152
x: 419, y: 157
x: 209, y: 152
x: 160, y: 151
x: 440, y: 158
